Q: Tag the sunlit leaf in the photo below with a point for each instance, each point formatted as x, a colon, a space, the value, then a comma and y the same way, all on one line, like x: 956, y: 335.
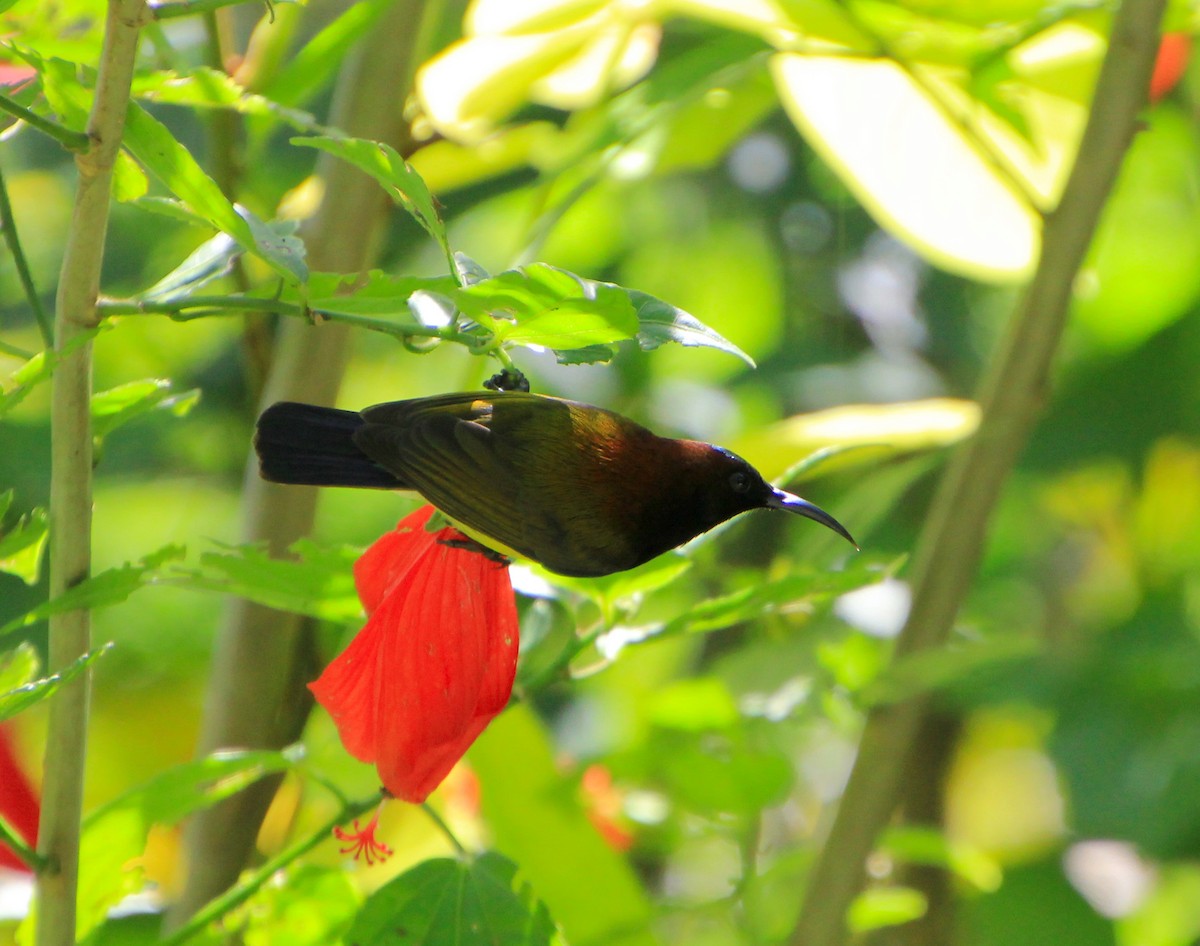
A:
x: 553, y: 841
x: 797, y: 591
x: 915, y: 844
x: 18, y: 667
x: 912, y: 167
x: 21, y: 546
x: 443, y: 902
x: 26, y: 694
x: 114, y: 835
x: 878, y: 907
x: 203, y: 87
x: 396, y: 176
x: 890, y: 428
x: 160, y: 153
x: 107, y: 588
x: 313, y: 907
x: 211, y: 260
x: 117, y: 406
x: 376, y: 293
x: 319, y: 583
x: 40, y: 367
x: 608, y: 590
x: 661, y: 322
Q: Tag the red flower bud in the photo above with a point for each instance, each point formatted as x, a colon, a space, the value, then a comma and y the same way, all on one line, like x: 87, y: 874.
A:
x: 434, y: 663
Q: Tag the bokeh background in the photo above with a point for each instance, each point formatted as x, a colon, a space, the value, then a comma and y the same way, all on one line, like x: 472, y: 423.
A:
x: 1062, y: 791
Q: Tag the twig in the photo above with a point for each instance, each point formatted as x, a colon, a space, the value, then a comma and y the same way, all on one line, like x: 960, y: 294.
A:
x: 8, y: 224
x: 71, y: 140
x: 1012, y: 394
x: 71, y: 476
x: 253, y: 881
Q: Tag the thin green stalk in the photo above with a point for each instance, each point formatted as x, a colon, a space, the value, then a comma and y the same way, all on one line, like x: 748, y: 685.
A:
x: 441, y: 825
x: 16, y: 844
x: 170, y: 11
x: 16, y: 352
x: 1012, y: 395
x: 9, y: 225
x: 251, y: 883
x: 71, y: 476
x: 71, y: 140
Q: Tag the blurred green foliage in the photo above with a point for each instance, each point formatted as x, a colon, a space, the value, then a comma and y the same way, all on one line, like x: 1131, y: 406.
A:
x: 722, y: 693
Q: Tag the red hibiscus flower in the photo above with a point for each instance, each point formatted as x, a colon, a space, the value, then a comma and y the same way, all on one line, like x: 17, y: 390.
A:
x: 18, y: 801
x: 435, y: 661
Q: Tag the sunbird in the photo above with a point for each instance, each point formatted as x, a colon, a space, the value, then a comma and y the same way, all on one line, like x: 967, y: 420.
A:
x: 579, y: 489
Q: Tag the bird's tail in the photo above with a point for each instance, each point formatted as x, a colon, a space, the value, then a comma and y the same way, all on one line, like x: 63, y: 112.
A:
x: 307, y: 445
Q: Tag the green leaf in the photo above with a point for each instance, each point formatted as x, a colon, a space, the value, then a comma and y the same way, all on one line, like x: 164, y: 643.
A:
x: 660, y: 322
x: 204, y: 87
x: 553, y: 840
x: 40, y: 367
x: 117, y: 406
x: 157, y: 150
x: 19, y: 698
x: 114, y: 835
x: 915, y: 844
x: 211, y: 260
x: 176, y: 210
x: 546, y: 306
x: 885, y: 906
x: 443, y: 902
x: 887, y: 429
x: 752, y: 603
x: 314, y: 907
x: 18, y: 666
x: 396, y: 175
x: 312, y: 66
x: 574, y: 324
x: 22, y: 545
x: 609, y: 590
x: 320, y: 583
x: 716, y: 776
x: 379, y: 293
x: 109, y: 587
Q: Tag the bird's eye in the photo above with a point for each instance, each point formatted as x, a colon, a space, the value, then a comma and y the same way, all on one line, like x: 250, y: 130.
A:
x: 739, y: 481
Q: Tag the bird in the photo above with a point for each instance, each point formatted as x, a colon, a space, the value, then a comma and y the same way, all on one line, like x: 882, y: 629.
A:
x: 579, y: 489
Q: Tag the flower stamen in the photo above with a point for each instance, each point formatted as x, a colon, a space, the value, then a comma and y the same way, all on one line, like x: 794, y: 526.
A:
x: 362, y: 843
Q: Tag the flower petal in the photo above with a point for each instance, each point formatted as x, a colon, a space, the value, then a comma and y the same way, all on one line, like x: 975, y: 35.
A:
x: 450, y: 668
x: 387, y: 561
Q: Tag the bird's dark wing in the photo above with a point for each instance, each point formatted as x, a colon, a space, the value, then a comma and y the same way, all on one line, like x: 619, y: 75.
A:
x: 505, y: 465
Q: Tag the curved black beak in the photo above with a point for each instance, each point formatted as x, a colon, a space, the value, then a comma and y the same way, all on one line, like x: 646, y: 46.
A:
x: 778, y: 499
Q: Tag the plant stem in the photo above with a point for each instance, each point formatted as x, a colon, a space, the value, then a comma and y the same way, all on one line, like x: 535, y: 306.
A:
x: 71, y: 476
x: 16, y: 352
x: 169, y: 11
x: 71, y: 140
x: 1012, y: 394
x: 250, y: 884
x: 9, y: 836
x: 201, y: 307
x: 8, y: 224
x: 440, y: 824
x: 256, y: 695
